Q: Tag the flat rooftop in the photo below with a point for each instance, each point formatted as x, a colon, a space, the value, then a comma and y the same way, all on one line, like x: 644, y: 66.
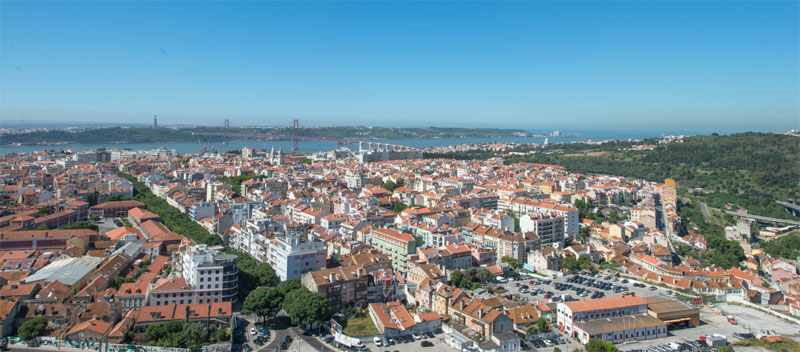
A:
x: 67, y: 271
x: 664, y: 305
x: 602, y: 326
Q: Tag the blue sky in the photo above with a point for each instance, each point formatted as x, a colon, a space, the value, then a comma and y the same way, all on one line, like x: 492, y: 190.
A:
x: 593, y: 65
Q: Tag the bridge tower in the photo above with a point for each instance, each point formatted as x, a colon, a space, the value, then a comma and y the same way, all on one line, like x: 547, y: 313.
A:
x: 295, y: 135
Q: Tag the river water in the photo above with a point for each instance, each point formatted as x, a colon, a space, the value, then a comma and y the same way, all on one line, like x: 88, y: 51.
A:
x: 306, y: 146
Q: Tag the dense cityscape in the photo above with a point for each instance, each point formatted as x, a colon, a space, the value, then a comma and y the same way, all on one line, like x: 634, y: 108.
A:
x: 383, y: 247
x: 400, y: 176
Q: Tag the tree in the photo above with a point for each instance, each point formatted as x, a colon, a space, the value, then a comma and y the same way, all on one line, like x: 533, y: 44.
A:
x: 391, y: 185
x: 398, y: 207
x: 222, y: 335
x: 471, y: 279
x: 182, y: 334
x: 600, y: 345
x: 570, y: 264
x: 32, y: 328
x: 584, y: 234
x: 265, y: 302
x: 457, y: 279
x: 541, y: 325
x: 532, y: 330
x: 511, y: 262
x: 253, y: 274
x: 306, y: 308
x: 288, y: 286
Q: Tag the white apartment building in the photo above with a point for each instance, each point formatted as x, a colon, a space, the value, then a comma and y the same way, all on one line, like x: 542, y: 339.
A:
x: 249, y: 239
x: 549, y: 229
x: 208, y: 270
x: 206, y: 275
x: 521, y: 206
x: 291, y: 256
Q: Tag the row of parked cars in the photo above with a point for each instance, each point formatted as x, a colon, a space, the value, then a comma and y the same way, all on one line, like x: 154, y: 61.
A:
x: 683, y: 346
x: 260, y: 334
x: 378, y: 341
x: 545, y: 340
x: 598, y: 283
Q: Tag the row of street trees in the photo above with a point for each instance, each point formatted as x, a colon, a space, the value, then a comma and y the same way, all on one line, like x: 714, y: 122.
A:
x: 305, y: 308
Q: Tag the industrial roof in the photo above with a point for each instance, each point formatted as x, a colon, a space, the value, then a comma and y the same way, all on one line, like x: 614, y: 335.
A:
x: 68, y: 271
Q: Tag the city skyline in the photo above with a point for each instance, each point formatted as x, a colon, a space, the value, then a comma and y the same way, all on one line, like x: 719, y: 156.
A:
x: 686, y: 66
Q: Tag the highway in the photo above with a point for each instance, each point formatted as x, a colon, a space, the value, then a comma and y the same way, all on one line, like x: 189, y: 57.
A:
x: 765, y: 219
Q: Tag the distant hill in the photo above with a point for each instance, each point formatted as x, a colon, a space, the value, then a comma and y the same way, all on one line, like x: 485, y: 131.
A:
x: 750, y: 170
x: 108, y: 135
x: 212, y: 134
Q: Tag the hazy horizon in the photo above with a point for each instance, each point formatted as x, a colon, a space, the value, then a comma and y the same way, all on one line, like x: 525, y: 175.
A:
x: 575, y: 66
x: 615, y: 132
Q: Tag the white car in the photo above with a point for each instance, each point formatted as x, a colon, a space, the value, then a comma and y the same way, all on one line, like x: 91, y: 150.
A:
x: 378, y: 341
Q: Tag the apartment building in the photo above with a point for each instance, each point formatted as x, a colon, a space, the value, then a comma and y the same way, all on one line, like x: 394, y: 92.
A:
x: 549, y: 229
x: 210, y: 272
x: 398, y: 246
x: 521, y: 206
x: 293, y: 255
x: 342, y: 286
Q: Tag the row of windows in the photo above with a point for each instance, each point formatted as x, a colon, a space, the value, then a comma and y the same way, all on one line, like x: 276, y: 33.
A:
x: 181, y: 294
x: 210, y: 300
x: 637, y: 333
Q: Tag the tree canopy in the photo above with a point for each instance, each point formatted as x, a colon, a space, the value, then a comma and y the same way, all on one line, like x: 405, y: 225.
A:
x: 171, y: 217
x: 181, y: 334
x: 32, y: 328
x: 599, y: 345
x: 786, y: 247
x: 265, y: 302
x: 306, y: 308
x: 253, y: 274
x: 472, y: 278
x: 511, y: 262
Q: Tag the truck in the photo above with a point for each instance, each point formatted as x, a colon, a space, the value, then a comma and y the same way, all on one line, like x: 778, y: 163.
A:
x: 348, y: 341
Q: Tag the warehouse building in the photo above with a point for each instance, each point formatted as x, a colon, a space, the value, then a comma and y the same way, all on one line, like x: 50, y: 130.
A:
x: 674, y: 313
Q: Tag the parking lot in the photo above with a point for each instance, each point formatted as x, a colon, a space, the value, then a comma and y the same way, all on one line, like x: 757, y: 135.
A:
x: 412, y: 345
x: 714, y: 321
x: 574, y: 287
x: 549, y: 340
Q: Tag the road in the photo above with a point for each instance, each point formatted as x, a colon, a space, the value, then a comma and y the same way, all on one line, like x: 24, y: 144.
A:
x: 277, y: 336
x: 765, y: 219
x: 704, y: 210
x: 315, y: 344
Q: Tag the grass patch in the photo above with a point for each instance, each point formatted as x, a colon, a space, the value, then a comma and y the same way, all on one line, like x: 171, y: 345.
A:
x: 360, y: 325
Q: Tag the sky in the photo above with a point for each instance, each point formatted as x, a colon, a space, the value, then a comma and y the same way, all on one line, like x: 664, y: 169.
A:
x: 572, y: 65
